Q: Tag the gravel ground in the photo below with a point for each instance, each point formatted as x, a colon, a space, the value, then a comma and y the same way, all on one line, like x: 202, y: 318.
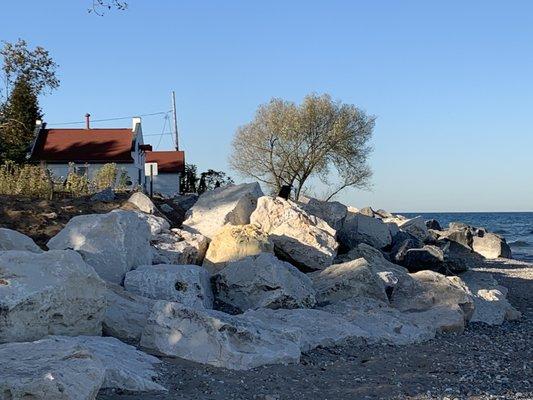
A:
x: 482, y: 363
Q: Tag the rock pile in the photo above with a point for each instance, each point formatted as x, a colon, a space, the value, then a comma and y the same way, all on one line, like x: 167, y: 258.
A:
x: 248, y: 280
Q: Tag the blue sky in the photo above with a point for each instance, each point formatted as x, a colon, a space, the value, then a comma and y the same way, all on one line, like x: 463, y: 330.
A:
x: 451, y: 82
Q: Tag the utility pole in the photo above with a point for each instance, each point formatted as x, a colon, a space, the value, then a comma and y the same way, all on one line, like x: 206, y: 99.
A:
x: 175, y: 117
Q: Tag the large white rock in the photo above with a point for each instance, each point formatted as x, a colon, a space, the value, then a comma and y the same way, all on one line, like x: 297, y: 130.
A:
x: 13, y: 240
x: 491, y: 246
x: 348, y: 280
x: 416, y: 227
x: 427, y: 289
x: 186, y: 284
x: 48, y: 369
x: 54, y: 292
x: 332, y: 212
x: 490, y: 299
x: 302, y: 239
x: 215, y: 338
x: 126, y: 368
x: 157, y: 224
x: 112, y: 243
x: 126, y: 314
x: 233, y: 243
x: 143, y: 202
x: 61, y: 367
x: 222, y: 206
x: 359, y: 228
x: 263, y: 281
x: 179, y: 247
x: 381, y: 323
x: 316, y: 327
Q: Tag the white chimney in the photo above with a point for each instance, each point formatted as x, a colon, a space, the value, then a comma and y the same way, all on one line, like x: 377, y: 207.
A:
x: 134, y: 122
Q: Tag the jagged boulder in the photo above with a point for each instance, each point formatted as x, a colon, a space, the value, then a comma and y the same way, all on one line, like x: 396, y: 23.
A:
x: 179, y: 247
x: 428, y: 289
x: 491, y: 246
x: 126, y: 314
x: 263, y: 281
x: 458, y: 258
x: 433, y: 224
x: 185, y: 201
x: 185, y: 284
x: 143, y: 203
x: 490, y: 299
x: 332, y: 212
x: 53, y: 292
x: 428, y: 257
x: 46, y: 369
x: 348, y: 280
x: 60, y: 367
x: 112, y: 243
x: 13, y: 240
x: 315, y: 327
x: 229, y: 205
x: 215, y: 338
x: 401, y: 243
x: 302, y: 239
x: 416, y: 227
x: 125, y: 367
x: 233, y: 243
x: 360, y: 228
x: 157, y: 224
x: 463, y: 236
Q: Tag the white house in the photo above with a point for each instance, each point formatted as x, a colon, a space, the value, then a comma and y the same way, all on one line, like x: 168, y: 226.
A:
x: 170, y: 166
x: 90, y: 148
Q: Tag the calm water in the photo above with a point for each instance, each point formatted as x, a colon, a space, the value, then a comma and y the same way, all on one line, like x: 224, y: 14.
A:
x: 515, y: 227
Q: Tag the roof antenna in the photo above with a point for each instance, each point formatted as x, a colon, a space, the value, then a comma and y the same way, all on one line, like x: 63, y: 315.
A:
x: 87, y: 120
x: 175, y: 117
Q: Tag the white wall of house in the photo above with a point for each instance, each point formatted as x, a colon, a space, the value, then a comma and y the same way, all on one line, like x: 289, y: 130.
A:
x: 168, y: 184
x: 60, y: 171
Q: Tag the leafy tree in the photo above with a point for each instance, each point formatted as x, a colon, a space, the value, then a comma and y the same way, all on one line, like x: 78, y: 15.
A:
x: 287, y: 144
x: 212, y: 179
x: 99, y: 7
x: 189, y: 179
x: 35, y: 66
x: 18, y: 122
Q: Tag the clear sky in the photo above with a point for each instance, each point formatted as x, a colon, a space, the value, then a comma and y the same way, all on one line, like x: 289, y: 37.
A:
x: 451, y: 82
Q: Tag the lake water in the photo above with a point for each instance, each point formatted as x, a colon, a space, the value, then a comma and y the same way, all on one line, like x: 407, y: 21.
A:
x: 515, y: 227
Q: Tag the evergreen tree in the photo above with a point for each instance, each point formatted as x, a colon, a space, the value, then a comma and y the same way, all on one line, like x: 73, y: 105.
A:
x: 19, y: 115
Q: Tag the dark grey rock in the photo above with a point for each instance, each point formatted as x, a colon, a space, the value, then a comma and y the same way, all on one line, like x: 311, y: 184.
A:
x: 105, y: 195
x: 433, y: 224
x: 428, y: 257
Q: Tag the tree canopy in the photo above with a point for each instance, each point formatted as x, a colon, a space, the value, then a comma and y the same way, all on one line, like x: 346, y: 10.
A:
x: 288, y: 143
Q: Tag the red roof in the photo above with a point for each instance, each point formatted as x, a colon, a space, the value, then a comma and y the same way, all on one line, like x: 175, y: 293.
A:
x: 84, y: 145
x: 167, y: 161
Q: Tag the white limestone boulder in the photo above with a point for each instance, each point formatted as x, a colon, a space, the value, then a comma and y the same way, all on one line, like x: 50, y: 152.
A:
x: 490, y: 299
x: 53, y: 292
x: 348, y: 280
x: 233, y: 243
x: 359, y: 228
x: 125, y: 367
x: 13, y: 240
x: 157, y: 224
x: 229, y: 205
x: 332, y: 212
x: 316, y: 327
x: 380, y: 322
x: 48, y: 369
x: 126, y: 314
x: 427, y: 289
x: 186, y: 284
x: 179, y: 247
x: 263, y: 281
x: 302, y: 239
x: 143, y: 203
x: 416, y: 227
x: 112, y: 243
x: 218, y: 339
x: 491, y: 246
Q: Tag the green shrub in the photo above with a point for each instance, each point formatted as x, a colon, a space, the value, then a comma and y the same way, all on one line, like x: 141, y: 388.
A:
x: 25, y: 180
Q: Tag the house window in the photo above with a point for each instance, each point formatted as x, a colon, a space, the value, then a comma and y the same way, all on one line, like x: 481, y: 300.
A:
x: 81, y: 170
